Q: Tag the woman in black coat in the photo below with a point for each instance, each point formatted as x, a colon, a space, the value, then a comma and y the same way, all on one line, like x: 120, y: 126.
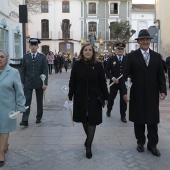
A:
x: 87, y: 83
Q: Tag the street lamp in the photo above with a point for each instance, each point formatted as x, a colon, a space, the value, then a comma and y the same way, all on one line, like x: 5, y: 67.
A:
x: 157, y: 25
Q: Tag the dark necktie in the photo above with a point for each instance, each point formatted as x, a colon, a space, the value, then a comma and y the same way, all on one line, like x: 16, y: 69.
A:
x: 120, y: 60
x: 33, y: 57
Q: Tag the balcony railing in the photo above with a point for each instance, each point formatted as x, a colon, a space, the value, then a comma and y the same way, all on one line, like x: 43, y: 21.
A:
x: 44, y: 35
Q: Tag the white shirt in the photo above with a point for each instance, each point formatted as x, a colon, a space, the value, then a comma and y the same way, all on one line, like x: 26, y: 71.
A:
x: 34, y: 54
x: 120, y: 57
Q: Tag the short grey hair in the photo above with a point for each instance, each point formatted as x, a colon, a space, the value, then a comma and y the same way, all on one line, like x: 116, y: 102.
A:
x: 4, y: 53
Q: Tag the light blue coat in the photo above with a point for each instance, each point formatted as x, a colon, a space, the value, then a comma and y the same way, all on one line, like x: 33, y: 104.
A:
x: 11, y: 98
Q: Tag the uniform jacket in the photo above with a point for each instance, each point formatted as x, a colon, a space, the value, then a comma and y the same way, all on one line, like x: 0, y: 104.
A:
x: 87, y: 82
x: 147, y: 83
x: 31, y: 71
x: 11, y: 98
x: 114, y: 68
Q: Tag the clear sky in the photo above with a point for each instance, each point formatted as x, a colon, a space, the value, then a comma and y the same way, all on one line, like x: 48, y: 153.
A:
x: 143, y: 1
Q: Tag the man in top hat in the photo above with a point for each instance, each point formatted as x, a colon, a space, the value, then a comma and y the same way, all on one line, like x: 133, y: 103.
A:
x: 114, y: 69
x: 145, y: 69
x: 34, y: 64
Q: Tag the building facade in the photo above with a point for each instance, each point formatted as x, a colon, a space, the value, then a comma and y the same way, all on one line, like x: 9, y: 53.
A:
x: 142, y: 17
x: 66, y: 25
x: 162, y: 23
x: 10, y: 28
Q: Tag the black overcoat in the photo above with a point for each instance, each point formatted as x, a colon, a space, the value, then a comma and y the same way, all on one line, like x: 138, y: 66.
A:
x: 148, y: 82
x: 87, y: 82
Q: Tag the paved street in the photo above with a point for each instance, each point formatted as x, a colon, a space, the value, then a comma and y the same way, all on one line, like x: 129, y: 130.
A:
x: 56, y: 145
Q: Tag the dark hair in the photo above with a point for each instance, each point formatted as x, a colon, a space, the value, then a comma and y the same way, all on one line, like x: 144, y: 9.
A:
x: 81, y: 56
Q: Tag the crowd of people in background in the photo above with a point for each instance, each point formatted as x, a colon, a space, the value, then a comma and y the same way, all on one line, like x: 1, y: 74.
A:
x: 60, y: 60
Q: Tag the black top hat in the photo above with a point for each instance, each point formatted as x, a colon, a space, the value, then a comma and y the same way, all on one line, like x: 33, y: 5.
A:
x: 120, y: 45
x: 143, y: 34
x: 34, y: 41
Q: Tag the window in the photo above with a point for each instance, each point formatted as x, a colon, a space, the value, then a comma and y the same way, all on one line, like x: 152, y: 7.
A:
x: 92, y: 26
x: 112, y: 24
x: 45, y: 49
x: 44, y: 6
x: 114, y: 8
x: 65, y: 7
x: 17, y: 45
x: 92, y: 8
x: 3, y: 39
x: 65, y: 26
x: 45, y: 28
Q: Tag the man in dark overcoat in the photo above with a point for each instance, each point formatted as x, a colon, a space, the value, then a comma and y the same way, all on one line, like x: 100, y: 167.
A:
x: 34, y: 64
x: 145, y: 69
x: 114, y: 69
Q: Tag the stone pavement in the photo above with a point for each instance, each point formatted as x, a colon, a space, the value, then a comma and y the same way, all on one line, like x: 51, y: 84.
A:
x: 56, y: 145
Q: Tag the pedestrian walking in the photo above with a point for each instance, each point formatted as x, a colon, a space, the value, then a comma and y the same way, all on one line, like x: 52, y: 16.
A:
x: 50, y: 60
x: 34, y: 64
x: 87, y: 83
x: 56, y: 63
x: 66, y: 60
x: 144, y: 67
x: 11, y: 99
x: 114, y: 69
x: 60, y: 59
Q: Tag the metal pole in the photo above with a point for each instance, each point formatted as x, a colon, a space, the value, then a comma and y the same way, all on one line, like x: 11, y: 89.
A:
x: 159, y: 40
x: 24, y: 38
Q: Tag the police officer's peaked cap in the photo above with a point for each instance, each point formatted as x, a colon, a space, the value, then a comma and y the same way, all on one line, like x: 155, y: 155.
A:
x: 34, y: 41
x: 120, y: 45
x: 143, y: 34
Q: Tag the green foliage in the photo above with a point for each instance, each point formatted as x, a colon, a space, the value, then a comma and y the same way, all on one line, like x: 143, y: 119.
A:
x: 121, y: 31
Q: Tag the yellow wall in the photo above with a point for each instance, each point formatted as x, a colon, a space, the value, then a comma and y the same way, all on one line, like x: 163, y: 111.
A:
x: 163, y: 14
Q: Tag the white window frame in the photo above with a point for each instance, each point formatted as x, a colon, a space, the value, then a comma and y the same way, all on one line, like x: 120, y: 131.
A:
x: 115, y: 2
x: 96, y: 8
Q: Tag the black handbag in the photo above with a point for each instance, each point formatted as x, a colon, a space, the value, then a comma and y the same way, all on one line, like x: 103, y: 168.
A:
x: 102, y: 100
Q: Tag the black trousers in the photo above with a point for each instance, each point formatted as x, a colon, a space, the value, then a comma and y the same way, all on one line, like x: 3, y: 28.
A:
x: 56, y: 68
x: 50, y: 67
x: 152, y: 134
x: 39, y: 98
x: 112, y: 96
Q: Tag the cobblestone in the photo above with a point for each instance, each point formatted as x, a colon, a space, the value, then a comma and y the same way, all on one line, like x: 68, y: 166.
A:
x: 56, y: 145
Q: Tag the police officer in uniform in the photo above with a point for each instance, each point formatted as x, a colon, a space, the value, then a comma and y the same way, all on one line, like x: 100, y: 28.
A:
x: 114, y: 69
x: 34, y: 64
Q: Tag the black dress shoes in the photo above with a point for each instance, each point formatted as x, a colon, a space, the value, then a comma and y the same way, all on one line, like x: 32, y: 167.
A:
x: 88, y: 153
x: 108, y: 113
x: 154, y: 151
x: 24, y: 123
x: 2, y: 163
x: 140, y: 148
x: 38, y: 121
x: 123, y: 120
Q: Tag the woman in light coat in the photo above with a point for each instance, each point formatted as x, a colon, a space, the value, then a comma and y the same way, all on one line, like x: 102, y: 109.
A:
x: 50, y: 60
x: 11, y: 99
